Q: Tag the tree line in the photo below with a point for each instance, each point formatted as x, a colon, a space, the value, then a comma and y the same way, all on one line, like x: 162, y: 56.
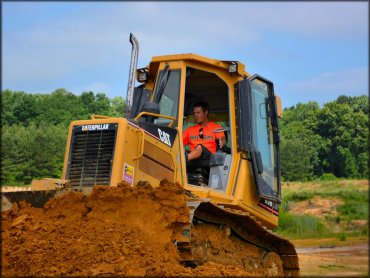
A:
x: 331, y: 141
x: 35, y: 130
x: 326, y: 142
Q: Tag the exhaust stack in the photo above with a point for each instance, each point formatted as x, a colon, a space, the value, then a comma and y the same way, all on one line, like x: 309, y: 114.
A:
x: 131, y: 77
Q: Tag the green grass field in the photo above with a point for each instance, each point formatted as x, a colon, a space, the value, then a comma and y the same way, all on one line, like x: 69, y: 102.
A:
x: 324, y: 209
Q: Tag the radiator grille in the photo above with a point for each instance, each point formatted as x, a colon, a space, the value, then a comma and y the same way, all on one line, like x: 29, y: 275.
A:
x: 91, y: 156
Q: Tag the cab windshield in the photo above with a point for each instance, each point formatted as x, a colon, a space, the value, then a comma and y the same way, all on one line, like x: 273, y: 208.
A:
x: 167, y: 95
x: 262, y: 137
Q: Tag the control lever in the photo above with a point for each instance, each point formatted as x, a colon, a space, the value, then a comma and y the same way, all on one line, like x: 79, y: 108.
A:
x: 218, y: 149
x: 224, y: 148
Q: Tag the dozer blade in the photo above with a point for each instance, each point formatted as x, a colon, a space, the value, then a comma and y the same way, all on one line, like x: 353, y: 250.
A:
x: 253, y: 232
x: 34, y: 198
x: 37, y: 194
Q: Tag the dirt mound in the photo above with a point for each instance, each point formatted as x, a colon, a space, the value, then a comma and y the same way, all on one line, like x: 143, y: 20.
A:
x: 117, y: 231
x: 317, y: 206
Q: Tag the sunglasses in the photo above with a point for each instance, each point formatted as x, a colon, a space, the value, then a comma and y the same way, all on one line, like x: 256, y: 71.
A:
x: 201, y: 133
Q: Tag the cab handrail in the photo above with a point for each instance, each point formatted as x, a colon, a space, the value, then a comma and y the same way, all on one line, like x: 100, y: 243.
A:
x: 173, y: 119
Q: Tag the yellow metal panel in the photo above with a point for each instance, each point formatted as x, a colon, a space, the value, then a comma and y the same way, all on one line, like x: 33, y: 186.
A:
x: 159, y: 155
x: 155, y: 169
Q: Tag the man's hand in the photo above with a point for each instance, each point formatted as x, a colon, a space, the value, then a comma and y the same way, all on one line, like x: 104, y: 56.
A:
x: 222, y: 142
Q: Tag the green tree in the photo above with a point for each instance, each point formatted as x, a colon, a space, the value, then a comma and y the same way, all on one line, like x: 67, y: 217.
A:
x: 61, y: 106
x: 301, y: 146
x: 18, y: 108
x: 335, y: 137
x: 345, y: 123
x: 98, y: 104
x: 295, y: 162
x: 118, y: 107
x: 31, y: 152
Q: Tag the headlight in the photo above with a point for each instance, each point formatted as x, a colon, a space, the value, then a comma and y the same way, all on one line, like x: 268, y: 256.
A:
x: 233, y: 67
x: 142, y: 75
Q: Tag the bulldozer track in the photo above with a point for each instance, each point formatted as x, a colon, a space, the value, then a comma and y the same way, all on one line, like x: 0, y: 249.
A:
x: 252, y: 232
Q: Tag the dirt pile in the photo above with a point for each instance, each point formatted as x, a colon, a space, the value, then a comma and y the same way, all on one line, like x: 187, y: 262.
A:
x: 121, y: 231
x: 317, y: 206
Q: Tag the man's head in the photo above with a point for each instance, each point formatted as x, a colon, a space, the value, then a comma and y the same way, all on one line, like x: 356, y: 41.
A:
x: 201, y: 112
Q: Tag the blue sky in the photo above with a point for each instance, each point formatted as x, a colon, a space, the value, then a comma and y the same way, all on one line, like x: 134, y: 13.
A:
x: 310, y: 50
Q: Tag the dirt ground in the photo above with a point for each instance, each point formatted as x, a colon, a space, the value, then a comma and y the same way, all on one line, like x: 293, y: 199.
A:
x: 127, y: 231
x: 344, y: 261
x: 121, y: 231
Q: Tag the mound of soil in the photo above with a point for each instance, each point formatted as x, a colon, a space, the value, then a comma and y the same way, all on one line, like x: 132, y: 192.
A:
x: 317, y: 206
x: 114, y: 231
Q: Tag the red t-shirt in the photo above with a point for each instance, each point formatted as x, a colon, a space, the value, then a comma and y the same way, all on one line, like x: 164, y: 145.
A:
x: 191, y: 136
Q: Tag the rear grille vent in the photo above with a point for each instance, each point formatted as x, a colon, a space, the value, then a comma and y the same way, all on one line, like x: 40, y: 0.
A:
x: 91, y: 155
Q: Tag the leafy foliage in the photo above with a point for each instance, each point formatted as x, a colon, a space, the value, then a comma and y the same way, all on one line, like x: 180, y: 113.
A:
x: 331, y: 141
x: 35, y: 127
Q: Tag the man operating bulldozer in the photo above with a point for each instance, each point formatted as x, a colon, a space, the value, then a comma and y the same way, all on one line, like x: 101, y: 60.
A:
x: 201, y: 136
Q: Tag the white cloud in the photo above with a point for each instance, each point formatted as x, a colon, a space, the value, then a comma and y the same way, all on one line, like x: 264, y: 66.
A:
x: 345, y: 81
x: 322, y: 20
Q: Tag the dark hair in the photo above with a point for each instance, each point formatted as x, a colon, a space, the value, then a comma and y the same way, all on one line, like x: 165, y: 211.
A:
x: 203, y: 104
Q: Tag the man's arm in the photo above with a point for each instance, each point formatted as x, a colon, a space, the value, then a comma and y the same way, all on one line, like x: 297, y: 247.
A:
x: 185, y: 137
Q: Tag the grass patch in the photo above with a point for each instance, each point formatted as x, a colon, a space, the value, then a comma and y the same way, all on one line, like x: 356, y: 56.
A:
x: 347, y: 194
x: 355, y: 206
x: 329, y: 241
x: 301, y: 226
x: 353, y: 210
x: 298, y: 196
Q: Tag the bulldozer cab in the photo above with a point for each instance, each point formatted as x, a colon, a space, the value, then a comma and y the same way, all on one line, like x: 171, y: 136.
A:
x: 244, y: 106
x: 147, y: 145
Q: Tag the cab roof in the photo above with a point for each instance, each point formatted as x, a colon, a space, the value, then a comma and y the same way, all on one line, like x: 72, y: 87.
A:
x: 156, y: 60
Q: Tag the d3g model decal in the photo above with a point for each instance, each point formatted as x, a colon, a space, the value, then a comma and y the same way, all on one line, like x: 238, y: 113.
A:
x: 165, y: 137
x: 269, y: 205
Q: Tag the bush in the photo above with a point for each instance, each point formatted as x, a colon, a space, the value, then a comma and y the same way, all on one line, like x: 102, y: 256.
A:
x: 299, y: 196
x: 300, y: 226
x: 342, y: 237
x: 328, y: 177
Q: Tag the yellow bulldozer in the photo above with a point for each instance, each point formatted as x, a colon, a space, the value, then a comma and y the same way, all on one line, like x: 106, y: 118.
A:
x: 240, y: 187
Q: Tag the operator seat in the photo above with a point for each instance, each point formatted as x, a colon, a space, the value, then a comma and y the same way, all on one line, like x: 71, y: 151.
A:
x: 198, y: 171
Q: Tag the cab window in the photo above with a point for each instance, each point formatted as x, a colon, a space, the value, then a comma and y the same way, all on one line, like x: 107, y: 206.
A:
x: 169, y: 95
